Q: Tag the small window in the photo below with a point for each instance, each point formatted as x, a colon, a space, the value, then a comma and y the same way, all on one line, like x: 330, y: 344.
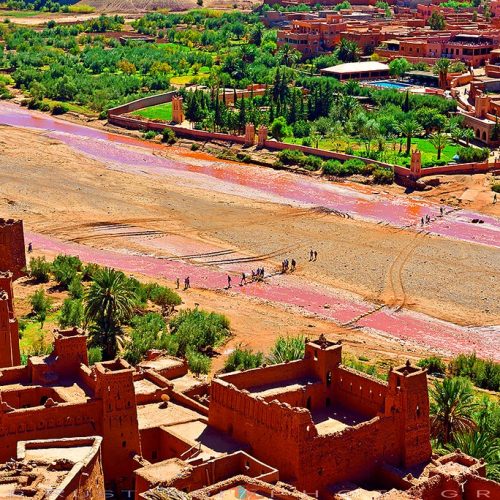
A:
x: 329, y: 378
x: 124, y: 444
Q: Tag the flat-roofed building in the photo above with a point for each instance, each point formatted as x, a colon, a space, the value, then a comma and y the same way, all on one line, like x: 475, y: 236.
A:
x: 367, y: 70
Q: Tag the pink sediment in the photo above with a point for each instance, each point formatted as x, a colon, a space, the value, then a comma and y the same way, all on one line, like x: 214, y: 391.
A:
x: 233, y: 178
x: 288, y: 291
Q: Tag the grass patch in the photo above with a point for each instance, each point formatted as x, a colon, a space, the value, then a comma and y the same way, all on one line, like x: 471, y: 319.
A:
x: 161, y: 112
x: 81, y: 9
x: 17, y: 13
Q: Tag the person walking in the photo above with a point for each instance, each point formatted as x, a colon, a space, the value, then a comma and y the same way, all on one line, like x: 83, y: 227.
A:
x: 494, y: 198
x: 311, y: 255
x: 243, y: 279
x: 30, y: 247
x: 228, y: 281
x: 187, y: 283
x: 294, y: 264
x: 315, y: 255
x: 177, y: 283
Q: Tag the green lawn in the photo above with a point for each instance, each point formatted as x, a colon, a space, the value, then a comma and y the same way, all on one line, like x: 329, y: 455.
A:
x: 6, y: 14
x: 185, y: 79
x: 161, y: 112
x: 391, y: 149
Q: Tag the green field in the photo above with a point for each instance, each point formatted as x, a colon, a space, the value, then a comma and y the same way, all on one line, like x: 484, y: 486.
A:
x: 6, y: 14
x: 390, y: 153
x: 161, y: 112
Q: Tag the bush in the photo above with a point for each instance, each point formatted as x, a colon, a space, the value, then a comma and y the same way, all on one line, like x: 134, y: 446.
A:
x: 354, y: 166
x: 75, y: 288
x: 496, y: 187
x: 484, y: 374
x: 95, y: 355
x: 150, y: 134
x: 59, y: 109
x: 198, y: 363
x: 163, y: 296
x: 301, y: 129
x: 39, y: 269
x: 383, y: 175
x: 433, y: 364
x: 195, y: 329
x: 40, y: 305
x: 470, y: 154
x: 333, y: 167
x: 72, y: 314
x: 312, y: 162
x: 307, y: 141
x: 168, y: 136
x: 243, y: 359
x: 65, y: 269
x: 287, y: 349
x: 88, y: 271
x: 148, y: 332
x: 294, y: 157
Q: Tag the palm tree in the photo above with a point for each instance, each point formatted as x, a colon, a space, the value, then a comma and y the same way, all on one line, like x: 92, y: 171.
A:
x: 108, y: 302
x: 409, y: 128
x: 441, y: 68
x: 451, y: 409
x: 439, y: 140
x: 289, y: 56
x: 479, y: 445
x: 468, y: 135
x: 348, y: 51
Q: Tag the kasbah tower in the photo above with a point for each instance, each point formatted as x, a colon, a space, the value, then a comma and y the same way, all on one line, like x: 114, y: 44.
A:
x: 309, y: 428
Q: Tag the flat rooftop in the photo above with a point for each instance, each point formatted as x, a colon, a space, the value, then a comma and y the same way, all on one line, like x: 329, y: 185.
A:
x: 282, y: 386
x: 157, y: 415
x: 356, y: 67
x: 336, y: 418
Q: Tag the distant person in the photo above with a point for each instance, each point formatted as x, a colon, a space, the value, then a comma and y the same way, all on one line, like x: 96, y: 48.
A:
x: 243, y: 279
x: 422, y: 221
x: 228, y: 281
x: 495, y: 198
x: 30, y: 246
x: 177, y: 283
x: 441, y: 209
x: 294, y: 264
x: 311, y: 255
x: 187, y: 283
x: 315, y: 255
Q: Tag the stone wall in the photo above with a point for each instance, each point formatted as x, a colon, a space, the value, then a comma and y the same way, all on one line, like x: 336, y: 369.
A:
x: 12, y: 250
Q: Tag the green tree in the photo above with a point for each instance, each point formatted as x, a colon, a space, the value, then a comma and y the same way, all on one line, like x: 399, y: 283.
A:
x: 348, y: 51
x: 279, y: 128
x: 409, y: 128
x: 109, y: 301
x: 437, y: 21
x: 441, y: 68
x: 451, y: 409
x: 439, y: 140
x: 40, y: 305
x: 398, y: 67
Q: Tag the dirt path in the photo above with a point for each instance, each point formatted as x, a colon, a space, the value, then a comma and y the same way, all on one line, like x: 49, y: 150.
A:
x: 144, y: 212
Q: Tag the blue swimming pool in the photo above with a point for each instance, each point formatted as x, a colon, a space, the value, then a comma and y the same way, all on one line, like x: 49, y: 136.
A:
x: 388, y: 84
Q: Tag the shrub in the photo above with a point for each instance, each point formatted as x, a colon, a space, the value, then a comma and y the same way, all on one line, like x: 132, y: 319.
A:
x: 332, y: 167
x: 433, y: 364
x: 150, y: 134
x: 40, y: 305
x: 75, y: 288
x: 485, y: 374
x: 195, y: 147
x: 195, y: 329
x: 71, y: 313
x: 59, y: 109
x: 287, y: 349
x: 354, y: 166
x: 39, y: 269
x: 301, y: 129
x: 163, y: 296
x: 168, y: 136
x: 312, y: 162
x: 148, y: 332
x: 496, y: 187
x: 291, y: 157
x: 243, y: 359
x: 65, y: 269
x: 88, y: 271
x: 361, y: 367
x: 198, y: 363
x: 383, y: 175
x: 95, y: 355
x: 470, y: 154
x: 307, y: 141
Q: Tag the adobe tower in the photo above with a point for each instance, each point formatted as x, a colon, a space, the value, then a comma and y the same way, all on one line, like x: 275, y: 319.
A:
x: 12, y: 255
x: 9, y: 331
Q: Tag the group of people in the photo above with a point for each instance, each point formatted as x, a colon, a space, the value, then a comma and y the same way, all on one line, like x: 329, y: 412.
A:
x: 425, y: 220
x: 313, y: 255
x: 187, y: 283
x: 286, y: 265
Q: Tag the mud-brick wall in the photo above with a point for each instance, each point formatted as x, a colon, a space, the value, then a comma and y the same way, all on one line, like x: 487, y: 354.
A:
x: 145, y: 102
x: 273, y: 431
x: 349, y: 455
x: 62, y: 421
x: 358, y: 392
x: 12, y: 254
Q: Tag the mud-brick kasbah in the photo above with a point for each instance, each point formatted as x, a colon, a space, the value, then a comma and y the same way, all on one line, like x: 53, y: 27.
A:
x: 307, y: 428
